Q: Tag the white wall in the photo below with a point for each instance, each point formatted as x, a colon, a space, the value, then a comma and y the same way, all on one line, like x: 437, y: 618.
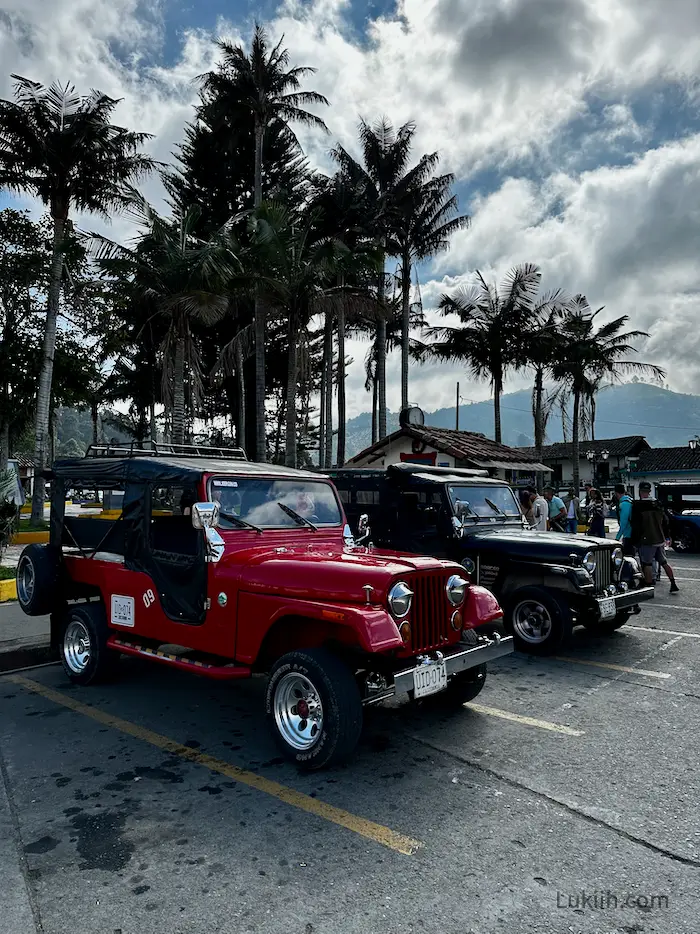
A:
x: 391, y: 454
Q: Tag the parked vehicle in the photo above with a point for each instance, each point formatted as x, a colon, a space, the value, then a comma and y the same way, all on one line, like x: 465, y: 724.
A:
x: 682, y: 504
x: 223, y: 567
x: 547, y: 582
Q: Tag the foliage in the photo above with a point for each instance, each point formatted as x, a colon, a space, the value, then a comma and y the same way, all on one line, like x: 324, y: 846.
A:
x: 9, y: 511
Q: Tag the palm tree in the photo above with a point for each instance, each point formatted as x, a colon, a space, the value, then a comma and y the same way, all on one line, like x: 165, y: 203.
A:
x: 492, y: 325
x: 423, y: 225
x: 63, y: 149
x: 542, y: 350
x: 588, y: 353
x: 186, y: 280
x: 261, y: 84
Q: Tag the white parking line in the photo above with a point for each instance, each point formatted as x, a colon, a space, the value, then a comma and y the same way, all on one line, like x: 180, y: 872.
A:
x: 526, y: 721
x: 676, y: 606
x: 626, y: 668
x: 665, y: 632
x: 687, y: 578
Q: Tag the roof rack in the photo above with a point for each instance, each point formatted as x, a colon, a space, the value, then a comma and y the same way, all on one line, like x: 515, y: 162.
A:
x: 163, y: 448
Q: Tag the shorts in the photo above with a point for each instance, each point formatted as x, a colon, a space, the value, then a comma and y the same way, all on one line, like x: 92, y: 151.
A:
x: 648, y: 554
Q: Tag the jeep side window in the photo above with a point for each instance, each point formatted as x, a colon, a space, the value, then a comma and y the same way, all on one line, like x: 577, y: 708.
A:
x: 170, y: 529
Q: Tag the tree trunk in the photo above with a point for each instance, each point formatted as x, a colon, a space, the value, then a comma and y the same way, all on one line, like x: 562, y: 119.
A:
x: 260, y: 429
x: 178, y: 413
x: 374, y: 409
x: 593, y: 417
x: 290, y: 456
x: 240, y: 396
x: 94, y: 417
x: 43, y: 396
x: 328, y: 353
x: 405, y: 324
x: 497, y: 392
x: 322, y: 409
x: 4, y: 443
x: 538, y: 412
x: 381, y: 359
x: 340, y: 454
x: 575, y: 439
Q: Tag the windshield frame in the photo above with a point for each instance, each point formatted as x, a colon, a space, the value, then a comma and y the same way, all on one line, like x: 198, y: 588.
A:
x: 242, y: 478
x: 491, y: 516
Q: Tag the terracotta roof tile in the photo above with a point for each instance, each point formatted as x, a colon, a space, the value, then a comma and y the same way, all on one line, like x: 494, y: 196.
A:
x: 617, y: 447
x: 662, y: 459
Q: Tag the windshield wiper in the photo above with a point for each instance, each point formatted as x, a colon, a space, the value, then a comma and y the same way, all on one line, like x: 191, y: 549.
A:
x: 241, y: 523
x: 295, y: 515
x: 495, y: 508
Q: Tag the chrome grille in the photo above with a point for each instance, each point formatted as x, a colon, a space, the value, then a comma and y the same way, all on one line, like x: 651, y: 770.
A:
x: 603, y: 570
x: 430, y: 612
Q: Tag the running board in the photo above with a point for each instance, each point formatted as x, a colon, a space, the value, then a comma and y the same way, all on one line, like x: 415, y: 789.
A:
x: 227, y: 672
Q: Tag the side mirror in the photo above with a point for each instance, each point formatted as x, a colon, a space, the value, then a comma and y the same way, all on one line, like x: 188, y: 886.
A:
x: 457, y: 526
x: 205, y: 515
x: 363, y: 529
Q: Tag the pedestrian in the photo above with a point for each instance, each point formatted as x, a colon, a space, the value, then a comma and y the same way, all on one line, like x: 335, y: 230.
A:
x: 573, y: 506
x: 596, y: 513
x: 623, y: 509
x: 557, y: 510
x: 526, y: 506
x: 540, y: 512
x: 650, y: 533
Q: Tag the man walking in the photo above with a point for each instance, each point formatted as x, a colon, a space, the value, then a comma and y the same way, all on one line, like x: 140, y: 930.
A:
x: 557, y: 510
x: 624, y: 518
x: 540, y: 512
x: 573, y: 505
x: 650, y: 533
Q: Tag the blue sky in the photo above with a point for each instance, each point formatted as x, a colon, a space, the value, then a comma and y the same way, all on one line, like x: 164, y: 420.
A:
x: 572, y: 127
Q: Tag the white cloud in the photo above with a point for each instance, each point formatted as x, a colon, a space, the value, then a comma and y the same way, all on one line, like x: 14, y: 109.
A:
x: 489, y: 82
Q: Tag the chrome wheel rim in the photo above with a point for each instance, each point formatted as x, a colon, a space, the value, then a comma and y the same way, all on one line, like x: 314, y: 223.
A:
x: 532, y: 621
x: 26, y: 581
x: 76, y: 646
x: 298, y: 711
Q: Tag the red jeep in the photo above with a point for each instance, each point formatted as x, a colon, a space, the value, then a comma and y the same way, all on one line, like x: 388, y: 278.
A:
x: 222, y: 567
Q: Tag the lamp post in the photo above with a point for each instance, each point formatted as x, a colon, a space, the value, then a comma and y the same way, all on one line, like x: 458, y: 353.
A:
x: 693, y: 443
x: 595, y: 458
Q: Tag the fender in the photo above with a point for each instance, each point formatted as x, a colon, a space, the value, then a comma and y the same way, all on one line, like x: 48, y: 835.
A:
x: 370, y: 627
x: 481, y: 607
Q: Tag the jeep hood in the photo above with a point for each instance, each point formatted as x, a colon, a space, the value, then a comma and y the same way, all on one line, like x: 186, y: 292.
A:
x: 530, y: 544
x: 326, y: 572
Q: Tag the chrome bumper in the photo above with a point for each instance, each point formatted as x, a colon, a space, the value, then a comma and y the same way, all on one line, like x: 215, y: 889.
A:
x: 457, y: 660
x: 631, y: 597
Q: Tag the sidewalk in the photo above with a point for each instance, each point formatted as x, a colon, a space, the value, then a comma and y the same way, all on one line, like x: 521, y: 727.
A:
x: 24, y: 640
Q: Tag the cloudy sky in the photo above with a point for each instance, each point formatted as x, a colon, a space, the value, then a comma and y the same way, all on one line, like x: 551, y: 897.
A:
x: 572, y: 126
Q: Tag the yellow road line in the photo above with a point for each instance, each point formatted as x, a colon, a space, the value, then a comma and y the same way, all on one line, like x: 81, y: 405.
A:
x: 365, y: 828
x: 526, y: 721
x: 664, y: 632
x: 633, y: 671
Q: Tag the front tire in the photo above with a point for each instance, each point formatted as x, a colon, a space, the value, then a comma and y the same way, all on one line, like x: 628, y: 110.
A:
x: 460, y: 689
x: 84, y: 653
x: 313, y: 708
x: 686, y: 543
x: 606, y: 627
x: 540, y: 622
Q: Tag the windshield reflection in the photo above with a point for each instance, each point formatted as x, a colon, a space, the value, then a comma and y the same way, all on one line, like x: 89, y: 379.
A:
x: 491, y: 502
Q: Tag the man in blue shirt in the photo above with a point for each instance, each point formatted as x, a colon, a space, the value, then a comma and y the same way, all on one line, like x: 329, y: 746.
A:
x: 624, y: 517
x: 557, y: 510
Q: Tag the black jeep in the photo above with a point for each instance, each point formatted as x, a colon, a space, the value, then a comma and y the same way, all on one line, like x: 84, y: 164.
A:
x: 547, y: 582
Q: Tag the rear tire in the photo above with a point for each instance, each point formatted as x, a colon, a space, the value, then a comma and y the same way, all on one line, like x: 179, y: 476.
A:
x: 83, y: 645
x: 539, y: 621
x: 686, y: 543
x: 313, y: 708
x: 37, y: 577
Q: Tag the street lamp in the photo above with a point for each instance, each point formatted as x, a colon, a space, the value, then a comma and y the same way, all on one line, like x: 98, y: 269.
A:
x: 693, y: 443
x: 595, y: 457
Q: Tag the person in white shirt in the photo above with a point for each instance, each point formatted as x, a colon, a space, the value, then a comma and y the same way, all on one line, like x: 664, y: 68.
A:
x: 540, y: 512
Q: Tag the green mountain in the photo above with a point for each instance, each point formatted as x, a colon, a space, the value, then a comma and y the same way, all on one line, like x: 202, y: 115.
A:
x: 665, y: 418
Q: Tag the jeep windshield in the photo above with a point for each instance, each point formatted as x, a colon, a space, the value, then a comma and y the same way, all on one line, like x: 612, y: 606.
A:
x: 483, y: 502
x: 261, y: 501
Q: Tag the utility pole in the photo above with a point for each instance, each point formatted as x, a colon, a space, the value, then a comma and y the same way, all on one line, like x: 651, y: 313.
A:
x: 457, y: 410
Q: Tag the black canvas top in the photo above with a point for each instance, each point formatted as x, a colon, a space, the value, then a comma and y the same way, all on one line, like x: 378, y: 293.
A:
x: 164, y: 469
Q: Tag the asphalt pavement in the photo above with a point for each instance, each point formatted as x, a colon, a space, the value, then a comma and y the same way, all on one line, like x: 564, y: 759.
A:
x: 565, y: 799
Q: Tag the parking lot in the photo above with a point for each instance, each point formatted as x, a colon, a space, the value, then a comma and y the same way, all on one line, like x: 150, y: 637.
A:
x: 566, y: 800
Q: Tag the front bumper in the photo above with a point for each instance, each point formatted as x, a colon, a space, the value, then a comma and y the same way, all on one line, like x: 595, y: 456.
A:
x: 624, y: 601
x: 457, y: 660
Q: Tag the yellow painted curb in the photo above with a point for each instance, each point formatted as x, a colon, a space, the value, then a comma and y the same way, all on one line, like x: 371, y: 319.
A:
x: 30, y: 538
x: 8, y: 590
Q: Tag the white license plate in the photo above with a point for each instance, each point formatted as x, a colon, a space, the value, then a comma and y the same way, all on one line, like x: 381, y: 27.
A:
x: 429, y: 679
x: 607, y: 608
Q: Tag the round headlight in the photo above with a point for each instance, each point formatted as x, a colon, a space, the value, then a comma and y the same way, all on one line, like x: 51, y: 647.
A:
x: 400, y: 597
x: 589, y: 562
x: 469, y: 565
x: 456, y: 589
x: 617, y: 557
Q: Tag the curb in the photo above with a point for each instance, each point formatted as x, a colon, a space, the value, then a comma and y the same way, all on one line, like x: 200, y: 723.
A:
x: 25, y: 656
x: 8, y: 590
